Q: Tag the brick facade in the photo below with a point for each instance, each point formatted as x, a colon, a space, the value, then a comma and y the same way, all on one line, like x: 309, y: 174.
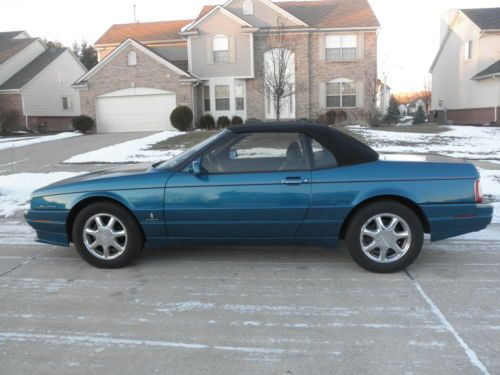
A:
x: 470, y: 116
x: 148, y: 73
x: 9, y: 102
x: 310, y: 70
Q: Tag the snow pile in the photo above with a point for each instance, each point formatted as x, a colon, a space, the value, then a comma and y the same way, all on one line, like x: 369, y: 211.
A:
x: 466, y: 142
x: 135, y: 151
x: 13, y: 142
x: 15, y: 189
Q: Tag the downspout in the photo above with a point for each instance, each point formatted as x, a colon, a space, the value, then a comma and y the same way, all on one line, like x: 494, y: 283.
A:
x: 24, y: 113
x: 498, y: 100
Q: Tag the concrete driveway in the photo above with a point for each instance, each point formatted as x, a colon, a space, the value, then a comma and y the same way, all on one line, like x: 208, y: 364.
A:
x: 254, y: 310
x: 45, y: 157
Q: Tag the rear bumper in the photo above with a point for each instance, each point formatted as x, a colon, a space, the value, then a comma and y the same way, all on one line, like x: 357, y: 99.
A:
x: 450, y: 220
x: 50, y: 226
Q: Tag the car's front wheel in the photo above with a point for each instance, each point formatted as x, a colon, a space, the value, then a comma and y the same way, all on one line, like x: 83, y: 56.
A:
x: 106, y: 235
x: 385, y: 236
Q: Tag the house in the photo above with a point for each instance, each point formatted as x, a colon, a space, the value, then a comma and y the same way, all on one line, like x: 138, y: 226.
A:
x: 35, y: 82
x: 466, y: 69
x: 413, y: 106
x: 215, y: 64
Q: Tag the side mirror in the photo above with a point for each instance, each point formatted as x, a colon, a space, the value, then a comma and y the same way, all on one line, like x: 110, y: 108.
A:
x: 233, y: 154
x: 195, y: 167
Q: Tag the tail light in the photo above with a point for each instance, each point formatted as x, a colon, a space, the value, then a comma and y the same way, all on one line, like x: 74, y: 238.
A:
x: 478, y: 194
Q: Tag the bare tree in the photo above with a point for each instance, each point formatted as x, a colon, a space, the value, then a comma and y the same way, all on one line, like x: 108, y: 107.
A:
x: 426, y: 94
x: 279, y: 66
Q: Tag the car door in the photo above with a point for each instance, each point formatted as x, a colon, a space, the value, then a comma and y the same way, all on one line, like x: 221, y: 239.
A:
x: 252, y: 185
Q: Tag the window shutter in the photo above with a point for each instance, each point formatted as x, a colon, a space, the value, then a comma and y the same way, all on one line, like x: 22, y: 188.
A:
x: 210, y: 50
x: 232, y: 50
x: 360, y: 94
x: 361, y: 45
x: 322, y: 46
x: 322, y: 95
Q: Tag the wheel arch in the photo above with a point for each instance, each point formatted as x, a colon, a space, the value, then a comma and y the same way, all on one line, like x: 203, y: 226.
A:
x: 86, y: 201
x: 389, y: 197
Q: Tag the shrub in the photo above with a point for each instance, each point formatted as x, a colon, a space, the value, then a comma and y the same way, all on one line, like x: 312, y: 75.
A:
x: 236, y: 120
x: 305, y: 120
x: 181, y: 118
x: 330, y: 117
x: 83, y: 123
x: 223, y: 122
x: 253, y: 120
x: 207, y: 122
x: 420, y: 117
x: 321, y: 119
x: 341, y: 116
x: 8, y: 120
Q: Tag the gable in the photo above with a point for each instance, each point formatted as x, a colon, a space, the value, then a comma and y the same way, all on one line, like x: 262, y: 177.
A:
x: 115, y: 64
x: 265, y: 13
x: 220, y: 14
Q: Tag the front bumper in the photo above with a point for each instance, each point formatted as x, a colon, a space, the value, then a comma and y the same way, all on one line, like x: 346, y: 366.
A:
x: 50, y: 226
x: 450, y: 220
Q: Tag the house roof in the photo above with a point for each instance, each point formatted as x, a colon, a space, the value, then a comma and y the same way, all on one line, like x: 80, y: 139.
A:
x: 10, y: 46
x: 332, y: 13
x: 484, y: 18
x: 489, y: 71
x: 26, y: 74
x: 143, y: 32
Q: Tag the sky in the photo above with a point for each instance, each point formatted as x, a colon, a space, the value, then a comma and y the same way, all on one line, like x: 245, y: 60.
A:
x: 408, y: 38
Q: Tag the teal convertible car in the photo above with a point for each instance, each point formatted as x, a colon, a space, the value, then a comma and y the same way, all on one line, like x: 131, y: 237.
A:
x: 272, y: 184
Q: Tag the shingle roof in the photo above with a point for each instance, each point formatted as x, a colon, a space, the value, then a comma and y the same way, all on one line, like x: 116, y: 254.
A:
x: 143, y: 32
x: 484, y: 18
x: 26, y: 74
x: 492, y: 69
x: 176, y: 54
x: 332, y: 13
x: 9, y: 46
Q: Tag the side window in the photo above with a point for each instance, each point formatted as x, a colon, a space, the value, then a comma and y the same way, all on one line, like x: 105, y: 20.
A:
x: 322, y: 157
x: 257, y: 152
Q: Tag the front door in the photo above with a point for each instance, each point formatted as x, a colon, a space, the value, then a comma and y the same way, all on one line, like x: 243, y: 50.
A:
x: 253, y: 185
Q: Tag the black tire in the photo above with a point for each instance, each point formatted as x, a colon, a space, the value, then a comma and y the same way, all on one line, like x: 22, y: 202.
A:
x: 367, y: 212
x: 135, y: 240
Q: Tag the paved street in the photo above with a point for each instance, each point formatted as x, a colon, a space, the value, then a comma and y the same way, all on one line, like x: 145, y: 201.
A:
x: 45, y: 157
x: 252, y: 310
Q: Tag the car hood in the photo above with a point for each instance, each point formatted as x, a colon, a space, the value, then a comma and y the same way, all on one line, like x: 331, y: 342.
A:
x: 117, y: 178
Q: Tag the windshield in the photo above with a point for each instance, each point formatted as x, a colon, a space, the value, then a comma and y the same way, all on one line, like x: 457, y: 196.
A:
x: 182, y: 157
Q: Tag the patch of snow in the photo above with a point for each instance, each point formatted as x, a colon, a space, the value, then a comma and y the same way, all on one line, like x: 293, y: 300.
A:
x: 13, y: 142
x: 134, y: 151
x: 467, y: 142
x: 15, y: 189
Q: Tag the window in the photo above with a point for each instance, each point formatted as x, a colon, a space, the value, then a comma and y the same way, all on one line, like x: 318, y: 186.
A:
x: 221, y: 49
x: 132, y: 58
x: 341, y: 93
x: 206, y: 98
x: 247, y: 7
x: 468, y: 50
x: 322, y: 157
x: 222, y: 98
x: 340, y: 47
x: 67, y: 103
x: 240, y: 97
x: 257, y: 152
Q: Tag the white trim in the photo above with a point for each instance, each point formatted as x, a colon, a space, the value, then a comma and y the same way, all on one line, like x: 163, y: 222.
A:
x: 135, y: 91
x: 122, y: 46
x: 443, y: 42
x: 225, y: 12
x: 252, y: 62
x: 190, y: 64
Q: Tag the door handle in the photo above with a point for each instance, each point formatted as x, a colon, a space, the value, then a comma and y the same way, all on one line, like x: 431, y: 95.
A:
x: 294, y: 181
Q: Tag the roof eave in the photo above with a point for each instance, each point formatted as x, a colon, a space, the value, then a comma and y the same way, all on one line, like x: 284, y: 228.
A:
x: 486, y: 76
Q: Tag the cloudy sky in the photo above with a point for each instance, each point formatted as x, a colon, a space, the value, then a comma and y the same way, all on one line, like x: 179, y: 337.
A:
x: 408, y: 39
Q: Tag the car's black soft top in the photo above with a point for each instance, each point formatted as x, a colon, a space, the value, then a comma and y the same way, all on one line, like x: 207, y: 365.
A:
x: 346, y: 149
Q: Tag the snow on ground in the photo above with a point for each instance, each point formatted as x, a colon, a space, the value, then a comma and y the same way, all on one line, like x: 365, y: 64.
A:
x: 135, y: 151
x: 13, y: 142
x: 467, y: 142
x: 15, y: 189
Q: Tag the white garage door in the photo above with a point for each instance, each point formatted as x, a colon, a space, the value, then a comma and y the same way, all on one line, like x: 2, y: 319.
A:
x: 134, y: 110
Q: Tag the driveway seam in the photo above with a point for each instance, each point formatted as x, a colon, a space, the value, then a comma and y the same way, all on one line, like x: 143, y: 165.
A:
x: 19, y: 265
x: 473, y: 358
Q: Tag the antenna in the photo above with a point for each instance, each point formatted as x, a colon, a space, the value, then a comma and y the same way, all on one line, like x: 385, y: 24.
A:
x: 135, y: 16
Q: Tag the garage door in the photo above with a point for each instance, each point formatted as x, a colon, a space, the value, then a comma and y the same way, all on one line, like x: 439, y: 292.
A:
x: 134, y: 110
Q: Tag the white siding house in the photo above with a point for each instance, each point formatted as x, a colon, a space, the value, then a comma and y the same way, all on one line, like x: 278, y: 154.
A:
x: 466, y: 72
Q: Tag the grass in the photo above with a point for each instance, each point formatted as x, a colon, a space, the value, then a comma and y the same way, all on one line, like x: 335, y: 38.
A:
x: 183, y: 141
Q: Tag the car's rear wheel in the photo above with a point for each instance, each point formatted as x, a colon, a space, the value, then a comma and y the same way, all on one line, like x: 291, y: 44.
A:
x: 385, y: 236
x: 106, y: 235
